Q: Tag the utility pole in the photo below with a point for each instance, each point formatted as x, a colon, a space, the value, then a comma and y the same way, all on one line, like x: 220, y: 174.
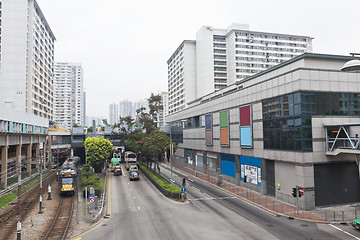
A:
x: 18, y: 233
x: 40, y: 198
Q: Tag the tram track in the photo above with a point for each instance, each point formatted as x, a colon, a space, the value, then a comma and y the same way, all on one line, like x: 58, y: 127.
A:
x: 29, y: 198
x: 62, y: 219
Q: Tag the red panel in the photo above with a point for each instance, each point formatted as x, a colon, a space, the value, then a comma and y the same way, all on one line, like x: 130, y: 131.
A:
x: 245, y: 116
x: 208, y: 137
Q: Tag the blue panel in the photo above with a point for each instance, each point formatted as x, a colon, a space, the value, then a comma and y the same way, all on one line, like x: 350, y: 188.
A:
x: 228, y: 157
x: 208, y: 121
x: 11, y: 127
x: 245, y: 136
x: 228, y: 168
x: 250, y: 161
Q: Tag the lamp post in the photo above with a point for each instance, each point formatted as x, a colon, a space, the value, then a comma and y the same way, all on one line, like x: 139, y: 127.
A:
x: 353, y: 65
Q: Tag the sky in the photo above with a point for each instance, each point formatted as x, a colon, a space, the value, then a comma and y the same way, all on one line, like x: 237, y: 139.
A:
x: 124, y: 46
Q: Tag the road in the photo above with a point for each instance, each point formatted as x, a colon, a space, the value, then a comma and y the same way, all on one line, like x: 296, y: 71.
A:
x: 139, y: 211
x: 200, y: 193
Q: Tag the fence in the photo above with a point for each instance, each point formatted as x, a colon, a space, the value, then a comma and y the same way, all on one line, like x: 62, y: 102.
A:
x: 283, y: 204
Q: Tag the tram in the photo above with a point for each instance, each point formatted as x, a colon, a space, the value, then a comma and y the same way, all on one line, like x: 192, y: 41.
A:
x: 67, y: 178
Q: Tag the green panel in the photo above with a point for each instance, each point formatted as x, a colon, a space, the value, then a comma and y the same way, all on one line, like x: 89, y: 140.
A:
x: 224, y: 120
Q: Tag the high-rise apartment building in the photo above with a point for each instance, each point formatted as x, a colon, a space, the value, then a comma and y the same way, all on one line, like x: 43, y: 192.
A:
x: 220, y: 57
x: 164, y: 112
x: 114, y: 114
x: 126, y: 108
x: 26, y: 58
x: 68, y: 94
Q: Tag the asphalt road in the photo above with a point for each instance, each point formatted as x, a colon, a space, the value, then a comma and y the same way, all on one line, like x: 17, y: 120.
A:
x: 202, y: 194
x: 139, y: 211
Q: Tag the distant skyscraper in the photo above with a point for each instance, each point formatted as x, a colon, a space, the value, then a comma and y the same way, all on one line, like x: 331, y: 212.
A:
x: 84, y: 109
x: 164, y: 112
x: 220, y: 57
x: 26, y: 58
x: 68, y: 94
x: 114, y: 114
x: 126, y: 108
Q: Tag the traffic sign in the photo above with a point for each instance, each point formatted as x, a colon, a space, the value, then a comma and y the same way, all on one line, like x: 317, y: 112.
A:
x: 91, y: 200
x: 183, y: 189
x: 92, y: 196
x: 301, y: 191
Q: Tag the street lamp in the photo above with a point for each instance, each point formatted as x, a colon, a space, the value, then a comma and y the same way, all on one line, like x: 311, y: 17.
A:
x: 353, y: 65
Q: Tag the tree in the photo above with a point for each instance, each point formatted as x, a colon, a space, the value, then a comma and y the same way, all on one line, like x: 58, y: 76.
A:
x: 98, y: 150
x: 155, y: 106
x: 155, y: 145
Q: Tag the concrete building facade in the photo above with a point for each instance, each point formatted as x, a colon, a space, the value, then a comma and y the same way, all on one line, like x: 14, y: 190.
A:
x: 27, y: 58
x: 220, y: 57
x: 114, y: 116
x: 68, y: 94
x: 294, y: 124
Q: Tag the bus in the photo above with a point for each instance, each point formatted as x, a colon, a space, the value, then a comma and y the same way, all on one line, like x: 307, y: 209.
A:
x: 114, y: 163
x: 130, y: 159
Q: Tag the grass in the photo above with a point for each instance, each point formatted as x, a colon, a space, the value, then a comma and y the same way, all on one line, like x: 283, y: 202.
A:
x: 6, y: 199
x: 165, y: 184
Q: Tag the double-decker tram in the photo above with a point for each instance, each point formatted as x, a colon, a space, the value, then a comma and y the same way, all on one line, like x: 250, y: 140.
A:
x: 67, y: 178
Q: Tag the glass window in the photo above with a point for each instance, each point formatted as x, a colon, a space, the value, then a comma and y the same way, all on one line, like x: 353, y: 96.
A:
x: 322, y: 103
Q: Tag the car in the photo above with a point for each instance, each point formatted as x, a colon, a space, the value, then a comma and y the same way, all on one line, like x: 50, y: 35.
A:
x: 117, y: 171
x: 133, y: 168
x: 134, y: 175
x: 356, y: 223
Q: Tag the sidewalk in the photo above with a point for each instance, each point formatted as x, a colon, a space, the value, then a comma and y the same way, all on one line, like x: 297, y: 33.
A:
x: 337, y: 214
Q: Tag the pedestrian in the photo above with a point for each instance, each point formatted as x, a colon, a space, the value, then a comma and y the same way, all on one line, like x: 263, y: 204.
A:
x: 357, y: 140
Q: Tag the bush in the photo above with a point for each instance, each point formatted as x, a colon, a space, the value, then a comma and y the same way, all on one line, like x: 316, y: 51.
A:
x: 164, y: 183
x: 90, y: 179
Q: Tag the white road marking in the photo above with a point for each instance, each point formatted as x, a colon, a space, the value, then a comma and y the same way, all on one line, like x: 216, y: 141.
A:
x: 211, y: 198
x: 134, y: 197
x: 196, y: 189
x: 190, y: 180
x: 208, y: 195
x: 344, y: 232
x: 138, y: 207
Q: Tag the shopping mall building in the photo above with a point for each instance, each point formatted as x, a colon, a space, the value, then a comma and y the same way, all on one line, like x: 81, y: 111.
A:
x: 294, y: 124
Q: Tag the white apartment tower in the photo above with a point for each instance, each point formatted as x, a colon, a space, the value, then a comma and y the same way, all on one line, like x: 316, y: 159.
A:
x: 182, y: 76
x: 26, y: 58
x: 164, y: 112
x: 68, y: 94
x: 220, y: 57
x: 114, y: 117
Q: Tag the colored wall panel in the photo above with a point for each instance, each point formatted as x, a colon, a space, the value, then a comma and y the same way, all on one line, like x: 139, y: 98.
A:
x: 245, y: 136
x: 224, y: 136
x: 11, y: 127
x: 208, y: 137
x: 245, y: 116
x: 224, y: 120
x: 250, y: 161
x: 208, y: 122
x: 228, y: 168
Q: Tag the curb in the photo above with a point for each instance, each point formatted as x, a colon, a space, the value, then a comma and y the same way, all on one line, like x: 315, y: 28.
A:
x: 254, y: 203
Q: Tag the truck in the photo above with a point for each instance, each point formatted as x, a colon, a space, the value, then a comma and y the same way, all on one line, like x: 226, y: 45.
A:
x: 130, y: 159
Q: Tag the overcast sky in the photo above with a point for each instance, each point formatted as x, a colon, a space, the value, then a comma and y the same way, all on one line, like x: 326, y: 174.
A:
x: 124, y: 45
